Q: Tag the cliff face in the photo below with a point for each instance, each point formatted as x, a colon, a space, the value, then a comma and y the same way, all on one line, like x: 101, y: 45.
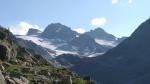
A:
x: 21, y: 66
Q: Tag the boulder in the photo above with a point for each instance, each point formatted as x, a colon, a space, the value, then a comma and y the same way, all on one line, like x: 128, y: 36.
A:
x: 2, y: 79
x: 10, y: 81
x: 17, y: 80
x: 2, y: 68
x: 24, y: 80
x: 45, y: 73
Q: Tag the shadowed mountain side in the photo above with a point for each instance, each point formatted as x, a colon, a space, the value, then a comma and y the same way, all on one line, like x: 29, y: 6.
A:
x: 128, y: 63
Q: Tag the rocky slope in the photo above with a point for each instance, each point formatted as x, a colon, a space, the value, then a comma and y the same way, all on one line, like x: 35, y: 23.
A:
x: 19, y: 65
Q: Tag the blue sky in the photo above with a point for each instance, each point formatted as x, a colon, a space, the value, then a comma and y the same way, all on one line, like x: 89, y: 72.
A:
x: 119, y: 17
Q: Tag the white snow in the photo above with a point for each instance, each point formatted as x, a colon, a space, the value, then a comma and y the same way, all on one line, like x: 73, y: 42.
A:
x: 105, y: 42
x: 39, y: 41
x: 48, y: 44
x: 58, y: 29
x: 59, y: 52
x: 77, y: 36
x: 95, y: 54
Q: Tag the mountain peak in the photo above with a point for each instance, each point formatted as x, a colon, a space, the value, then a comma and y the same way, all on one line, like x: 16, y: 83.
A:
x: 143, y: 29
x: 57, y: 25
x: 100, y: 33
x: 33, y: 31
x: 59, y: 31
x: 99, y: 30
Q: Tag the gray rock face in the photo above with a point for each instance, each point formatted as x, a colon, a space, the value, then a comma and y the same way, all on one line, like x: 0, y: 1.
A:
x: 32, y: 31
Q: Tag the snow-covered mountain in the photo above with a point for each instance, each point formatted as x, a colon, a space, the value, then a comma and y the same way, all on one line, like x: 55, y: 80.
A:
x: 58, y: 39
x: 103, y: 38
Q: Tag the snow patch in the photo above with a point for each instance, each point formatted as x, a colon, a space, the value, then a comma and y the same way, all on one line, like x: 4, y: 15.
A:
x: 47, y: 44
x: 95, y: 54
x: 58, y: 29
x: 105, y: 42
x: 39, y: 41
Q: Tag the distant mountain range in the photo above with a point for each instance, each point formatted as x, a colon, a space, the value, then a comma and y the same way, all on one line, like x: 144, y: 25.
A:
x: 128, y: 63
x: 59, y: 39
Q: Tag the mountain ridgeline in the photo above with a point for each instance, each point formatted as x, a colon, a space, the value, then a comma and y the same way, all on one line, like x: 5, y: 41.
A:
x: 19, y: 65
x: 101, y: 34
x: 59, y: 39
x: 128, y: 63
